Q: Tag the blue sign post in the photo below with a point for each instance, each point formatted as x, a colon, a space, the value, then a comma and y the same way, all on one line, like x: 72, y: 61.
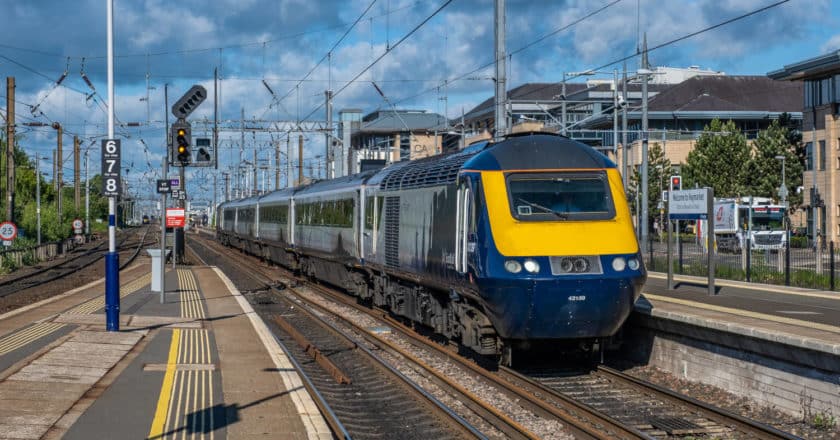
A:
x: 111, y: 147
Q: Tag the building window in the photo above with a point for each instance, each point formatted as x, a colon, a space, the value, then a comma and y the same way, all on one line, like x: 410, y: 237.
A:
x: 809, y: 156
x: 822, y: 155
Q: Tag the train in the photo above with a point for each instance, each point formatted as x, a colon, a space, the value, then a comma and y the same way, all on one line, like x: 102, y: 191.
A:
x: 503, y: 247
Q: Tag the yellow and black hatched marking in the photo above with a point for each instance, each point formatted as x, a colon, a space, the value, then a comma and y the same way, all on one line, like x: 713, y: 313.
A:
x: 191, y: 306
x: 97, y: 303
x: 185, y: 406
x: 18, y: 339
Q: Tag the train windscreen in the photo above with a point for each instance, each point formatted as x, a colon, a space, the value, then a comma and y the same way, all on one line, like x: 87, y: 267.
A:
x: 560, y: 196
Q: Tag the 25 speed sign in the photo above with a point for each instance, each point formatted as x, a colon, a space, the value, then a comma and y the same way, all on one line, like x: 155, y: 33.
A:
x: 110, y: 167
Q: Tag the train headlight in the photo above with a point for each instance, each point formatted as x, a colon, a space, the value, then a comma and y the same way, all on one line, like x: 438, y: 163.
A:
x: 532, y: 266
x: 619, y: 263
x: 567, y: 265
x: 513, y: 266
x: 633, y: 263
x: 581, y: 265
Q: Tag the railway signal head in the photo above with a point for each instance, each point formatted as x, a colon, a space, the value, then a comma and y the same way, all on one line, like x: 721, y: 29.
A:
x: 676, y: 183
x: 181, y: 140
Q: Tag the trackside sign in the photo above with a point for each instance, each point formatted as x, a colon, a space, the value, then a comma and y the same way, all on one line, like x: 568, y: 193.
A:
x: 689, y: 204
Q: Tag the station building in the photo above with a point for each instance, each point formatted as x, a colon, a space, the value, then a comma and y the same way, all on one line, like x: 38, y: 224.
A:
x: 387, y: 136
x: 678, y: 115
x: 819, y: 79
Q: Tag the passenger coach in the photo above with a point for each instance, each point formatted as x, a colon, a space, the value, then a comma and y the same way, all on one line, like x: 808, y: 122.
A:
x: 512, y: 245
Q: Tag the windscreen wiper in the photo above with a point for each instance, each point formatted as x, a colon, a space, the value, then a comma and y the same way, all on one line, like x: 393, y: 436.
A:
x: 562, y: 215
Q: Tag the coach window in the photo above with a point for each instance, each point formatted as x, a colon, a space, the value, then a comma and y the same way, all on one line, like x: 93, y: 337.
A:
x: 370, y: 212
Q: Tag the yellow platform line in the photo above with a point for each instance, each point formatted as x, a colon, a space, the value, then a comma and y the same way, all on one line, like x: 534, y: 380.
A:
x: 18, y: 339
x: 166, y: 388
x: 191, y: 304
x: 95, y: 304
x: 186, y: 402
x: 23, y: 337
x: 745, y: 313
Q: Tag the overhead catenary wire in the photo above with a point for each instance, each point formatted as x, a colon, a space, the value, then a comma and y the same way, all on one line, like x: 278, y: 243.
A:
x: 389, y: 50
x: 660, y: 46
x: 326, y: 56
x: 293, y: 36
x: 518, y: 50
x: 616, y: 61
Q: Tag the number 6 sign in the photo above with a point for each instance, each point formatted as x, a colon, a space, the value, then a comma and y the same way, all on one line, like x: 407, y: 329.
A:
x: 111, y: 167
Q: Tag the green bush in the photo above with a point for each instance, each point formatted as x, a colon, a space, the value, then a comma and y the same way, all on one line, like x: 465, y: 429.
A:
x: 799, y: 242
x: 8, y: 264
x: 29, y: 258
x: 823, y: 421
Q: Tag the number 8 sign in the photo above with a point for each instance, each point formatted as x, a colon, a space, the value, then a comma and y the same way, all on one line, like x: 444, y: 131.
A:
x: 111, y: 167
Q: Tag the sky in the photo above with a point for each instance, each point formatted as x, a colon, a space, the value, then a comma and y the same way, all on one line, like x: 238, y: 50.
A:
x: 300, y: 48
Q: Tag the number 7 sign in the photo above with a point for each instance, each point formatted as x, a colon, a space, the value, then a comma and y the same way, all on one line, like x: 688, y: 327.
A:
x: 111, y: 167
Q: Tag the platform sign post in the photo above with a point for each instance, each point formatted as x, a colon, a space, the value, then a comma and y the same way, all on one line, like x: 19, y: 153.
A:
x: 710, y: 236
x: 694, y: 204
x: 112, y: 261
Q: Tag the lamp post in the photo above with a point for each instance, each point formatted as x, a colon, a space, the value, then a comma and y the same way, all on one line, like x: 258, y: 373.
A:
x: 563, y: 108
x: 569, y: 75
x: 783, y: 191
x: 661, y: 205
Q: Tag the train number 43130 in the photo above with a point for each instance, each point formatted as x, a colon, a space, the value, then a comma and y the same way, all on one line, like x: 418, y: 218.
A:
x: 577, y: 298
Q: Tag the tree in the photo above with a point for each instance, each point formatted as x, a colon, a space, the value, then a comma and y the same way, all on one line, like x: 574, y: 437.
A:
x: 765, y: 171
x: 659, y: 169
x: 719, y: 160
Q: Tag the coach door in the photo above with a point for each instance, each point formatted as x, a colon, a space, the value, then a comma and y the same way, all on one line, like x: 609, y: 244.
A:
x: 463, y: 219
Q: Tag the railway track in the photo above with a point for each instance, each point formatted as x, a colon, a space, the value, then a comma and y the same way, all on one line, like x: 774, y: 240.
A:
x: 600, y: 403
x: 652, y: 410
x: 361, y: 394
x: 71, y: 265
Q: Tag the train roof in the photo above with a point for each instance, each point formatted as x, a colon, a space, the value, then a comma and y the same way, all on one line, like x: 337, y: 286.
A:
x: 278, y: 195
x: 241, y: 202
x: 430, y: 171
x: 340, y: 183
x: 532, y: 151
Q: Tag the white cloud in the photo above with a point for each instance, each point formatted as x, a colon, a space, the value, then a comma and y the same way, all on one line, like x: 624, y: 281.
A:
x: 833, y: 43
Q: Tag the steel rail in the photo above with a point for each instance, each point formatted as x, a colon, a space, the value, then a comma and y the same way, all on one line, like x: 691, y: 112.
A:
x: 719, y: 415
x: 61, y: 266
x: 437, y: 406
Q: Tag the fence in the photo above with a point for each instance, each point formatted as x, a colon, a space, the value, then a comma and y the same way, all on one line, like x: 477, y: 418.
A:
x: 33, y: 254
x: 806, y: 266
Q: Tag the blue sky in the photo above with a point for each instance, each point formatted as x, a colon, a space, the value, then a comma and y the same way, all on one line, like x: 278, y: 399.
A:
x: 280, y: 41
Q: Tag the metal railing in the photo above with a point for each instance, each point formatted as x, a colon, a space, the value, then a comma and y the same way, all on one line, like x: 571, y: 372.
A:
x: 806, y: 265
x: 30, y: 255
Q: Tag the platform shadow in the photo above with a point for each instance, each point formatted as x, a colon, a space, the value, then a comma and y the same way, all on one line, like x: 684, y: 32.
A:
x: 215, y: 418
x: 695, y: 287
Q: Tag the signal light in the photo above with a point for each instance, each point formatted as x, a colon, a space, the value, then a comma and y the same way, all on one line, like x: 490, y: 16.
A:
x: 181, y: 143
x: 676, y: 183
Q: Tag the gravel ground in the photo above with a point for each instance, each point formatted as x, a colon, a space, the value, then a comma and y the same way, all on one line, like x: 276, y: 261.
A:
x: 737, y: 404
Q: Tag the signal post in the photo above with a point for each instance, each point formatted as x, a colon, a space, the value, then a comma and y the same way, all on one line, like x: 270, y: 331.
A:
x: 181, y: 152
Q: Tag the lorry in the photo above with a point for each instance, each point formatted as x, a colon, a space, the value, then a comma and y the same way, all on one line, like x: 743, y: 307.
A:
x: 756, y: 218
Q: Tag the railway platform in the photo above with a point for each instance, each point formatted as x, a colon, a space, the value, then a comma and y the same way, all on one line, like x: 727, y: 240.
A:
x: 778, y: 345
x: 200, y: 365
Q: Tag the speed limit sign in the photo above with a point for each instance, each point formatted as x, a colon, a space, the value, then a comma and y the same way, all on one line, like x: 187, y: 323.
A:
x: 8, y: 232
x: 111, y: 167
